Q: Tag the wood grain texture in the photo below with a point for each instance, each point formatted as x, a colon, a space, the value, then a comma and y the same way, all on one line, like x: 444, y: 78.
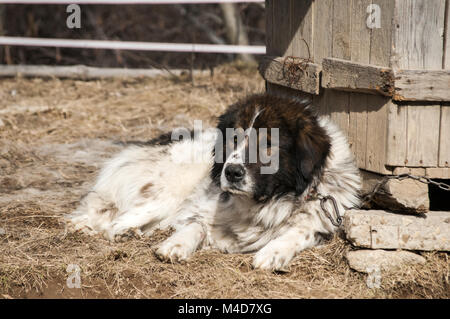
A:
x: 357, y: 134
x: 418, y: 44
x: 293, y: 73
x: 342, y: 13
x: 281, y: 28
x: 423, y: 135
x: 397, y: 134
x: 418, y: 30
x: 360, y: 34
x: 376, y: 146
x: 444, y: 136
x: 302, y: 28
x: 269, y: 27
x: 344, y: 75
x: 422, y: 85
x: 381, y: 38
x: 322, y: 30
x: 446, y: 57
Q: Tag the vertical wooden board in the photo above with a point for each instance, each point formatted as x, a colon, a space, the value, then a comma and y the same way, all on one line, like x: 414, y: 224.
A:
x: 376, y: 133
x: 423, y: 135
x: 418, y: 34
x: 444, y: 144
x: 360, y: 52
x: 322, y: 29
x: 338, y: 106
x: 381, y: 38
x: 397, y: 134
x: 281, y: 28
x: 321, y: 102
x: 269, y: 28
x: 357, y: 135
x: 418, y: 44
x: 446, y: 62
x: 302, y: 28
x: 359, y: 32
x: 342, y: 13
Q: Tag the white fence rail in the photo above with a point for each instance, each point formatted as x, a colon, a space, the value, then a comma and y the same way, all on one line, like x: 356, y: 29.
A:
x: 125, y: 1
x: 130, y: 45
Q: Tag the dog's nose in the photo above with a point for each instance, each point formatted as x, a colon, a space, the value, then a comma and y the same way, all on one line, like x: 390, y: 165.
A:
x: 234, y: 172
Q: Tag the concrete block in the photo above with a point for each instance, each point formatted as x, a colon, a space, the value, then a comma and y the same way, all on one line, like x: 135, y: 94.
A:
x: 380, y: 229
x: 367, y: 260
x: 404, y: 196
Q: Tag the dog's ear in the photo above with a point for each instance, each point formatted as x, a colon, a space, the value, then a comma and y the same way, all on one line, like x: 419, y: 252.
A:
x: 312, y: 149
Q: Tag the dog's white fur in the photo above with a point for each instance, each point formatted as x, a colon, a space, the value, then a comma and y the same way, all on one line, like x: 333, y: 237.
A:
x: 148, y: 187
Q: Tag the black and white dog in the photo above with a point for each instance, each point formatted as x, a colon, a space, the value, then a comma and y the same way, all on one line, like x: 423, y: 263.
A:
x: 218, y: 191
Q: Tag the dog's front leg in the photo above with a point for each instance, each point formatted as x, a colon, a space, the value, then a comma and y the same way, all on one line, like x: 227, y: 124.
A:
x: 183, y: 243
x: 278, y: 253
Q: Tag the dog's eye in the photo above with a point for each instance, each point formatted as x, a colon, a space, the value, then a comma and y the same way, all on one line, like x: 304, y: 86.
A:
x: 235, y: 140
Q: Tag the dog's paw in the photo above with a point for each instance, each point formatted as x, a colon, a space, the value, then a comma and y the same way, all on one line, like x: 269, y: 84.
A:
x: 173, y: 251
x: 122, y: 235
x: 273, y: 258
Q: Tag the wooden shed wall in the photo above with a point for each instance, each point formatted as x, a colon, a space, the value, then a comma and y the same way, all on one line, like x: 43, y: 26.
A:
x: 414, y: 34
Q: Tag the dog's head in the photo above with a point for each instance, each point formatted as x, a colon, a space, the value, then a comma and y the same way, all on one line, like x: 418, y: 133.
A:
x: 269, y: 146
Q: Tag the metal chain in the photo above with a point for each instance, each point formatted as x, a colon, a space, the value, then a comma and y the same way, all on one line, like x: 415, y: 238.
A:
x: 368, y: 197
x: 323, y: 200
x: 423, y: 179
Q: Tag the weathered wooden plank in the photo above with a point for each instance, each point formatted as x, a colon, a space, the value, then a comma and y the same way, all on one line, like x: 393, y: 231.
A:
x: 295, y: 73
x: 357, y: 135
x: 281, y: 28
x: 339, y: 101
x: 446, y: 61
x: 322, y: 30
x: 359, y: 32
x: 360, y: 37
x: 321, y: 102
x: 423, y: 135
x: 444, y: 142
x: 431, y: 172
x: 269, y: 27
x: 381, y: 38
x: 342, y: 11
x: 418, y: 42
x: 281, y: 34
x: 422, y: 85
x: 339, y: 109
x: 396, y: 135
x: 345, y: 75
x: 302, y: 28
x: 377, y: 107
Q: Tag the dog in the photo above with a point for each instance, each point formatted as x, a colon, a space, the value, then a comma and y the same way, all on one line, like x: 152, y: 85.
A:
x: 216, y: 192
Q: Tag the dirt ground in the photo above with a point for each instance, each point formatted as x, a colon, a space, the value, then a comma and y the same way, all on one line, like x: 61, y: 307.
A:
x: 54, y: 136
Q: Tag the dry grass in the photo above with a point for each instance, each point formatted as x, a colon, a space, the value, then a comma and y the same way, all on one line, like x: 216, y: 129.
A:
x: 54, y: 134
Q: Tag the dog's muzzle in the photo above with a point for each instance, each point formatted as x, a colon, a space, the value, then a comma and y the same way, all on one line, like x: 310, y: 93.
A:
x: 234, y: 173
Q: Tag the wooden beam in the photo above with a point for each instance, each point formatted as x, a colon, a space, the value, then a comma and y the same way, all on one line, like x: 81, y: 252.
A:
x: 360, y: 77
x: 422, y: 85
x: 295, y: 73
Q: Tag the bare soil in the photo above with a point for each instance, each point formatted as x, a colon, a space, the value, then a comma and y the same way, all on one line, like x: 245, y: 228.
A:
x: 54, y: 136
